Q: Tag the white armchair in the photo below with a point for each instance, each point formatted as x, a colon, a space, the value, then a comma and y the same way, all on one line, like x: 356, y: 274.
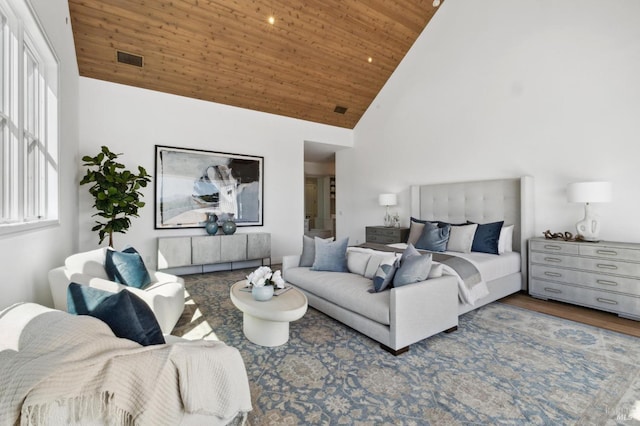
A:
x: 165, y: 294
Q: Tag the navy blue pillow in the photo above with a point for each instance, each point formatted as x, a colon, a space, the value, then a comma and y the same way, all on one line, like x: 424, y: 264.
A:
x: 434, y: 238
x: 127, y: 315
x: 126, y: 267
x: 487, y: 237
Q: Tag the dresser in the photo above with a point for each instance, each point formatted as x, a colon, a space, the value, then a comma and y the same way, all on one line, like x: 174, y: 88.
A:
x: 386, y: 235
x: 603, y: 275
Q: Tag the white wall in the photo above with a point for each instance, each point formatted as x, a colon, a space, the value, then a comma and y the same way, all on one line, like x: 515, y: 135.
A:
x: 132, y: 121
x: 503, y: 88
x: 28, y: 256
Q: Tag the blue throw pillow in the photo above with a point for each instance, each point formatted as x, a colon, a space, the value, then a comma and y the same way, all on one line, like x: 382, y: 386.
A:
x: 383, y: 278
x: 330, y: 255
x: 487, y: 237
x: 126, y: 267
x: 412, y: 267
x: 434, y: 238
x: 127, y: 315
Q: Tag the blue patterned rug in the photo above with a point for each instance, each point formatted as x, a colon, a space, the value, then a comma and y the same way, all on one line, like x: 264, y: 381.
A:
x: 505, y: 365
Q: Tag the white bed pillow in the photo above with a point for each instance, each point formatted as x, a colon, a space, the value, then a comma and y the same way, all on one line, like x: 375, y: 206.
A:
x: 461, y: 238
x: 415, y: 230
x: 505, y: 242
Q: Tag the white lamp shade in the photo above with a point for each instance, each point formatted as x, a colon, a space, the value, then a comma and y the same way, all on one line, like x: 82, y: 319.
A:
x: 387, y: 199
x: 589, y: 192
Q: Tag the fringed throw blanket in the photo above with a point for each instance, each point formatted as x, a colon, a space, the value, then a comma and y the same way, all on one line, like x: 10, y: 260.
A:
x: 471, y: 286
x: 65, y: 369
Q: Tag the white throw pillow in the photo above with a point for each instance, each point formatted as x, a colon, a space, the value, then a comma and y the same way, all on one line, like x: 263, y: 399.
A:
x: 461, y: 238
x: 415, y: 231
x: 357, y: 261
x: 505, y: 242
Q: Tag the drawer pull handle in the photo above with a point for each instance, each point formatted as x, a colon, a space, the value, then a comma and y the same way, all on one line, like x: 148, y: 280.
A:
x: 552, y: 259
x: 606, y: 266
x: 606, y: 282
x: 607, y: 252
x: 608, y: 301
x: 552, y: 290
x: 552, y: 274
x: 550, y: 247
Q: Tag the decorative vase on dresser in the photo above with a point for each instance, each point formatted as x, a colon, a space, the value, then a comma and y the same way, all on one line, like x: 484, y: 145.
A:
x: 603, y: 275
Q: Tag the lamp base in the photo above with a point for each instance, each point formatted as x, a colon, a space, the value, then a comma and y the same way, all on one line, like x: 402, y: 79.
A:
x: 589, y: 227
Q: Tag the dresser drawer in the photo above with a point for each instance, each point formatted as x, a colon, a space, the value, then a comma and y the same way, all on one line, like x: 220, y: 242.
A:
x: 384, y: 235
x: 381, y: 239
x: 555, y: 247
x: 613, y: 302
x: 617, y: 253
x: 384, y: 232
x: 629, y: 286
x: 607, y: 266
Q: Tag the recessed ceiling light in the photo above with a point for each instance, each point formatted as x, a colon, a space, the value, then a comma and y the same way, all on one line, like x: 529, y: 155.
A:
x: 271, y: 20
x: 370, y: 59
x: 340, y: 109
x: 436, y: 3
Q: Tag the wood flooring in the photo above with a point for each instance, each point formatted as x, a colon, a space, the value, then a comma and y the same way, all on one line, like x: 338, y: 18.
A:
x: 588, y: 316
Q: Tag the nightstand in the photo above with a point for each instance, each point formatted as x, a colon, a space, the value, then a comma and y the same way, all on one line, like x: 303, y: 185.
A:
x: 603, y: 275
x: 386, y: 235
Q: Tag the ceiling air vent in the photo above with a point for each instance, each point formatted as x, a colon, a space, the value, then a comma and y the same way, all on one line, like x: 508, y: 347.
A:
x: 129, y: 59
x: 340, y: 109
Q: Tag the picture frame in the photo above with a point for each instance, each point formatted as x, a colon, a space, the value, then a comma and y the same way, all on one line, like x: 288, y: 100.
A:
x: 192, y: 183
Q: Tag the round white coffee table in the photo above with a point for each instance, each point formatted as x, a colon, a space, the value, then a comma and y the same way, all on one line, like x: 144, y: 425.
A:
x: 267, y: 323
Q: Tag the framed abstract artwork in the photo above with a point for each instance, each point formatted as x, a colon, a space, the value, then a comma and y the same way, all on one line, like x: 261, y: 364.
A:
x: 192, y: 183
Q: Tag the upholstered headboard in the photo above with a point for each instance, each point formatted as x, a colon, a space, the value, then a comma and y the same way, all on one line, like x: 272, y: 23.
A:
x: 484, y: 201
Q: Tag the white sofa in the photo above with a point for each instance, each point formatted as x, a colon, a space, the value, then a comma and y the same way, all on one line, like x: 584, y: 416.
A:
x: 395, y: 318
x: 165, y: 294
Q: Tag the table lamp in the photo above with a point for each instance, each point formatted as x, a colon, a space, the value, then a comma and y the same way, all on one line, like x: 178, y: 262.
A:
x: 387, y: 200
x: 589, y: 192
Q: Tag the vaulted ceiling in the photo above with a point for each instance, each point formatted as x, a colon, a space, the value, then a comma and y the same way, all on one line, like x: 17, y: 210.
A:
x: 298, y: 58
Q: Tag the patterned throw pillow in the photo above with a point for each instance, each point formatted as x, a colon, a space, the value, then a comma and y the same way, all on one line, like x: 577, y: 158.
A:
x: 384, y: 275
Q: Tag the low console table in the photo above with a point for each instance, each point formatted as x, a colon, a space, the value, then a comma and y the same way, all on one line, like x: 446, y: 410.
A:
x: 603, y: 275
x: 174, y: 252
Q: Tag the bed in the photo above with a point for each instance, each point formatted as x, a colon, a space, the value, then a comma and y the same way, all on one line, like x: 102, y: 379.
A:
x: 508, y: 200
x: 424, y: 306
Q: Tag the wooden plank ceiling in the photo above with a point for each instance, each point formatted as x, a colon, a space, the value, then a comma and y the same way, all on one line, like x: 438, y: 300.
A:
x: 314, y: 57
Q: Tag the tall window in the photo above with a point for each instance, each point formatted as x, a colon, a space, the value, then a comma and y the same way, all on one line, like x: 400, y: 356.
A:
x: 28, y: 121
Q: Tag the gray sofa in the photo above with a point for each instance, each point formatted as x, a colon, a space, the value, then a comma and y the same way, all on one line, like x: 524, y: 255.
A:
x: 395, y: 318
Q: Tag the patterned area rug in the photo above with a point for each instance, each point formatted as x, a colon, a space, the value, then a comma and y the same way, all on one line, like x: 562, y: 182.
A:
x: 504, y: 365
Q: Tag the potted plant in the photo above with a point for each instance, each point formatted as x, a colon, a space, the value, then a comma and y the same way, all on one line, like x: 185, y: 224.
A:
x: 116, y: 192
